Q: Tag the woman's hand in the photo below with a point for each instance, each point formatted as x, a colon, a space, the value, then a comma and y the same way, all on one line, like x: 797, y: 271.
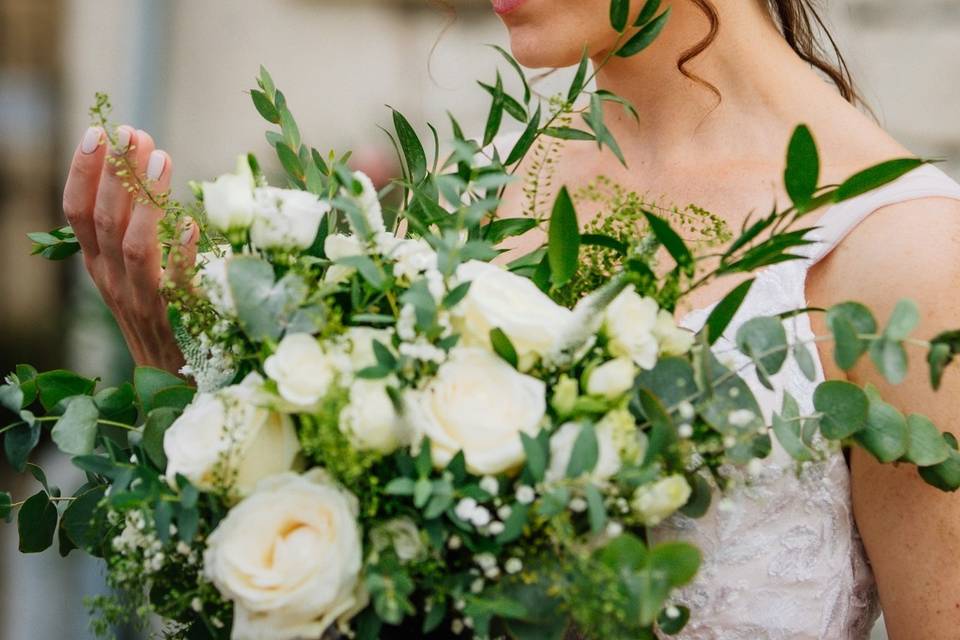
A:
x: 118, y: 235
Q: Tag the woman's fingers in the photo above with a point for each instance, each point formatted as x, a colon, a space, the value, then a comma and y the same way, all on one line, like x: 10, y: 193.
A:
x: 141, y: 245
x: 183, y: 257
x: 80, y: 194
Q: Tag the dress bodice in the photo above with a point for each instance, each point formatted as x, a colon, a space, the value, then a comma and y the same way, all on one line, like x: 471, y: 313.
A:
x: 782, y: 559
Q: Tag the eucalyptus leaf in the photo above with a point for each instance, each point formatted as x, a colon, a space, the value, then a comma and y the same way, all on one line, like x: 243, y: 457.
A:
x: 764, y: 340
x: 75, y: 433
x: 945, y: 475
x: 6, y: 505
x: 37, y: 523
x: 54, y: 386
x: 848, y: 321
x: 926, y: 444
x: 19, y: 442
x: 844, y: 406
x: 158, y: 421
x: 886, y: 437
x: 537, y: 456
x: 149, y: 381
x: 586, y: 452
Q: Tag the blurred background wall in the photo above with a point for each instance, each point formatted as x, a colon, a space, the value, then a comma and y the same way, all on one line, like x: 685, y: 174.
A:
x: 179, y: 68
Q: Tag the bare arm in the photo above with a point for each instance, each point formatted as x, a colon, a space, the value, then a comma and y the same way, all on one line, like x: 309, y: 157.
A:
x: 911, y: 530
x: 121, y: 249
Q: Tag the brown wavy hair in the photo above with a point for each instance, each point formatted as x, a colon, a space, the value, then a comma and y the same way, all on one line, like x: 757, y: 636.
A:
x: 799, y: 22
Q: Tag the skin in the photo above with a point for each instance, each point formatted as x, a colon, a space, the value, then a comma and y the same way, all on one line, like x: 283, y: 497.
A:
x: 727, y: 157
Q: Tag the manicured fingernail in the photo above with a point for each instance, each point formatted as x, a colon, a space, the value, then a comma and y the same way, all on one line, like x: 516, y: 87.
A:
x: 124, y: 134
x: 158, y: 161
x: 187, y: 232
x: 91, y: 140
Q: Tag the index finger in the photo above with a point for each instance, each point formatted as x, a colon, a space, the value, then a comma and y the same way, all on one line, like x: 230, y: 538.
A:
x: 80, y: 193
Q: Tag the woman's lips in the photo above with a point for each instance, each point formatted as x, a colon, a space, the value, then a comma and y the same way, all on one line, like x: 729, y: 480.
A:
x: 503, y: 7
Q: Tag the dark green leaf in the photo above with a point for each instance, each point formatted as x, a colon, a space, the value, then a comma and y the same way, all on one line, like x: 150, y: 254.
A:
x: 537, y: 455
x: 723, y: 313
x: 673, y: 626
x: 498, y: 230
x: 886, y: 436
x: 510, y: 104
x: 699, y: 502
x: 680, y: 561
x: 890, y: 359
x: 566, y: 133
x: 526, y: 139
x: 6, y: 503
x: 650, y: 8
x: 78, y: 519
x: 764, y: 340
x: 265, y: 106
x: 944, y: 476
x: 514, y: 524
x: 75, y: 433
x: 844, y: 406
x: 149, y: 381
x: 516, y: 66
x: 413, y: 153
x: 19, y: 442
x: 291, y: 163
x: 875, y: 177
x: 586, y: 452
x: 596, y: 512
x: 576, y: 86
x: 154, y: 429
x: 671, y: 241
x: 803, y: 167
x: 504, y: 347
x: 645, y: 37
x: 54, y: 386
x: 37, y: 523
x: 619, y: 14
x: 926, y: 444
x: 495, y: 116
x: 563, y: 249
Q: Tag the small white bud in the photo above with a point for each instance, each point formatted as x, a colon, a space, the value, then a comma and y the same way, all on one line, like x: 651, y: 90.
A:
x: 525, y: 494
x: 490, y: 485
x: 513, y: 565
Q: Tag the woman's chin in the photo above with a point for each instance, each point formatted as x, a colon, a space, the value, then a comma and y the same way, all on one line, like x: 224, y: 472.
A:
x: 535, y: 51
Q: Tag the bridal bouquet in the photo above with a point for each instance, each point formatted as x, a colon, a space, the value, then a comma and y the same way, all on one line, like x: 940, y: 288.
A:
x: 383, y: 432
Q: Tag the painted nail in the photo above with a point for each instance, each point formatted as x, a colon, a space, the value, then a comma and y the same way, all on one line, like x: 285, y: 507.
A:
x: 124, y: 134
x: 158, y: 160
x: 91, y: 140
x: 187, y: 232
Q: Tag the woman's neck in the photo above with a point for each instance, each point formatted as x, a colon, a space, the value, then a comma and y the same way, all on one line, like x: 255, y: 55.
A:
x: 764, y: 87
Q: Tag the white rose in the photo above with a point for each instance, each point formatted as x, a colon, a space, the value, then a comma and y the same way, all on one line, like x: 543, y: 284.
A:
x: 479, y: 404
x: 561, y: 448
x: 502, y: 300
x: 286, y: 218
x: 401, y: 534
x: 674, y: 340
x: 213, y: 280
x: 612, y: 379
x: 302, y: 370
x: 229, y: 201
x: 230, y: 439
x: 629, y: 323
x: 371, y: 420
x: 657, y: 501
x: 412, y: 258
x: 360, y: 341
x: 338, y: 246
x: 289, y: 557
x: 368, y: 202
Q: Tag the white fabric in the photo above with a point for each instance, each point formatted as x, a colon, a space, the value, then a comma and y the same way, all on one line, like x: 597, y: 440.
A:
x: 785, y: 562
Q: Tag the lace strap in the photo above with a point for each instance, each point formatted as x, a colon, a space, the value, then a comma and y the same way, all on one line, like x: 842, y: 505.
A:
x: 840, y: 220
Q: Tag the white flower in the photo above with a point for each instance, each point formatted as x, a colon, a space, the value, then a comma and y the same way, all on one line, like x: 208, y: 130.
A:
x: 674, y: 340
x: 629, y: 323
x: 286, y: 218
x: 213, y: 280
x: 513, y: 565
x: 490, y: 485
x: 302, y: 370
x: 565, y: 394
x: 371, y: 421
x: 412, y: 258
x: 229, y: 201
x: 612, y: 379
x: 368, y: 202
x: 230, y: 439
x: 401, y: 534
x: 659, y: 500
x: 360, y: 341
x: 479, y: 404
x: 561, y: 448
x: 289, y: 557
x: 337, y: 247
x: 465, y: 508
x: 502, y: 300
x: 525, y: 494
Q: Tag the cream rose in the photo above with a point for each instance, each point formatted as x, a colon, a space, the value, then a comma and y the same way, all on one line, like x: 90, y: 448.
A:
x: 286, y: 218
x: 479, y: 404
x: 674, y: 340
x: 228, y: 439
x: 302, y: 370
x: 229, y: 200
x: 289, y: 557
x: 370, y: 419
x: 612, y: 379
x: 561, y: 448
x: 629, y: 324
x: 502, y: 300
x: 657, y: 501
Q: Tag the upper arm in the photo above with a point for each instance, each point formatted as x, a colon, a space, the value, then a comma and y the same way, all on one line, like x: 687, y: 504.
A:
x: 911, y: 530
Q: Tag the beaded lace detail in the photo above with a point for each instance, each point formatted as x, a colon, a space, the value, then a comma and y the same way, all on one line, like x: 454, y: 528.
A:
x: 785, y: 561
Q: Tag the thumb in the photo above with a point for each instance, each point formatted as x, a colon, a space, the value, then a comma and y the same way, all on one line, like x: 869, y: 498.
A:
x: 182, y: 258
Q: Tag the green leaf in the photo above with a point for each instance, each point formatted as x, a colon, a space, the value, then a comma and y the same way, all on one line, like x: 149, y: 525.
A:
x: 663, y: 434
x: 619, y: 14
x: 885, y: 437
x: 554, y: 502
x: 526, y: 139
x: 596, y: 512
x: 174, y: 397
x: 495, y: 116
x: 514, y: 524
x: 723, y: 313
x: 498, y: 230
x: 149, y: 381
x: 54, y: 386
x: 699, y: 502
x: 11, y: 398
x: 903, y: 320
x: 504, y: 347
x: 848, y: 321
x: 37, y: 523
x: 6, y: 503
x: 678, y: 560
x: 803, y: 167
x: 516, y: 66
x: 586, y: 452
x: 576, y: 86
x: 788, y: 429
x: 400, y: 487
x: 805, y: 361
x: 263, y: 306
x: 563, y: 249
x: 510, y: 104
x: 537, y: 455
x: 78, y: 519
x: 645, y: 37
x: 19, y: 442
x: 944, y: 476
x: 890, y: 359
x: 75, y: 433
x: 673, y: 626
x: 290, y: 162
x: 875, y: 177
x: 567, y: 133
x: 96, y: 464
x: 844, y: 406
x: 265, y: 107
x: 764, y: 340
x: 926, y: 444
x: 650, y: 8
x: 671, y: 241
x: 158, y: 421
x: 291, y: 132
x: 266, y: 83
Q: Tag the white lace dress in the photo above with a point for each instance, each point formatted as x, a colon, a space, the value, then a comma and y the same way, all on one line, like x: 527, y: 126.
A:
x: 785, y: 562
